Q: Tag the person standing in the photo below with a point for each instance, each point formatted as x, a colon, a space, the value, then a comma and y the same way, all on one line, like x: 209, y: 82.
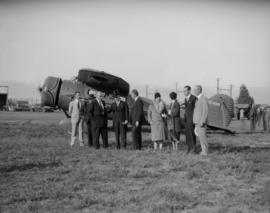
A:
x: 137, y: 119
x: 189, y: 104
x: 76, y: 120
x: 264, y: 118
x: 267, y: 118
x: 88, y: 119
x: 253, y: 117
x: 99, y: 121
x: 120, y: 120
x: 174, y: 114
x: 156, y: 121
x: 200, y: 119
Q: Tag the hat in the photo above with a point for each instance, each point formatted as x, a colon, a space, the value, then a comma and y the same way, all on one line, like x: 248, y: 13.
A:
x: 91, y: 96
x: 115, y: 93
x: 91, y: 92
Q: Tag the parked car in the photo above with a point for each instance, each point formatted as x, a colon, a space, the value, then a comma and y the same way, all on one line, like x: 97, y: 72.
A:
x: 22, y: 106
x: 47, y: 109
x: 36, y: 108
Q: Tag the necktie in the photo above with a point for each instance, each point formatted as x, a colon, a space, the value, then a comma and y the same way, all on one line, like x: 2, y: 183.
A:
x: 100, y: 103
x: 102, y: 107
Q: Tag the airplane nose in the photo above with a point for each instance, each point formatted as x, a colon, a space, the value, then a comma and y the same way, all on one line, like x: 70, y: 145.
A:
x: 50, y: 91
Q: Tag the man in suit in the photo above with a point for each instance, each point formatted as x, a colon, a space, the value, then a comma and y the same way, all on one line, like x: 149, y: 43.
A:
x: 189, y: 104
x: 253, y: 117
x: 137, y: 117
x: 174, y: 112
x: 88, y: 118
x: 98, y: 114
x: 267, y: 118
x: 76, y: 119
x: 200, y: 118
x: 120, y: 119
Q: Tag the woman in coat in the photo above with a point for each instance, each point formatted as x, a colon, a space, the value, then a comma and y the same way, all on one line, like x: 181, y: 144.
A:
x: 155, y: 118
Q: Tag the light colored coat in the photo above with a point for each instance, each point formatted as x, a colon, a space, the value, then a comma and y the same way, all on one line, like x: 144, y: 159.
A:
x: 267, y: 119
x: 74, y: 110
x: 200, y: 119
x: 156, y: 121
x: 76, y: 121
x: 201, y: 111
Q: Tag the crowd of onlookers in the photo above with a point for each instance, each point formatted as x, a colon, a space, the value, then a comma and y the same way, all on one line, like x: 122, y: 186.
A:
x: 259, y: 117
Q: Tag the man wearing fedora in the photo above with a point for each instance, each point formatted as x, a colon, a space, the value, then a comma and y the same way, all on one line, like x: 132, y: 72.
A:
x: 120, y: 113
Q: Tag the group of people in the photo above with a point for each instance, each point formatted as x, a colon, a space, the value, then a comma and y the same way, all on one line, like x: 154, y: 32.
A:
x: 164, y: 121
x: 259, y: 116
x: 94, y: 113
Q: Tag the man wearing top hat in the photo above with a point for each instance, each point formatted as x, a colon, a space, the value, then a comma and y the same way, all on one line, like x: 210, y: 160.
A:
x: 120, y: 113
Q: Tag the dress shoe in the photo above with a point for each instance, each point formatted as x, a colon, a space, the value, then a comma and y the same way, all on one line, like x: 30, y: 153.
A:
x: 203, y: 154
x: 188, y: 151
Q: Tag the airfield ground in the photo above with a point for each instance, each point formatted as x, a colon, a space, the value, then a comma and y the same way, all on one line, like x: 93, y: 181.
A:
x: 40, y: 173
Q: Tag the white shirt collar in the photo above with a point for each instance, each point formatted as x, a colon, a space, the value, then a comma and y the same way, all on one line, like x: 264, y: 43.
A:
x: 136, y: 98
x: 199, y: 95
x: 99, y: 101
x: 188, y: 97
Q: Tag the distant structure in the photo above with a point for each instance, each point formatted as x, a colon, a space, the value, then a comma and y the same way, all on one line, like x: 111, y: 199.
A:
x: 3, y: 97
x: 224, y: 89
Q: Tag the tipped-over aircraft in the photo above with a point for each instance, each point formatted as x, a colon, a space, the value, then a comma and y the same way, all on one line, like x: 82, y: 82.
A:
x: 57, y: 93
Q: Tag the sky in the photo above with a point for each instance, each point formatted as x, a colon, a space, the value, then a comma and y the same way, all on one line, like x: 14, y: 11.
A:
x: 157, y: 43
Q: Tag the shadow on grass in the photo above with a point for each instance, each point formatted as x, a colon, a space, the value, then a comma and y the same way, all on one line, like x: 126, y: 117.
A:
x: 171, y: 199
x: 29, y: 166
x: 234, y: 149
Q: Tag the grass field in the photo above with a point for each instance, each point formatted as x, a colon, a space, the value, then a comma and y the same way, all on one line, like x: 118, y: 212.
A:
x: 40, y: 173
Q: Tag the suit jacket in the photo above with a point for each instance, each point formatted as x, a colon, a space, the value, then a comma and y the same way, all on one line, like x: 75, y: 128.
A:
x: 98, y: 114
x: 137, y: 112
x: 120, y: 112
x: 88, y: 115
x: 189, y: 108
x: 75, y: 109
x: 201, y: 111
x: 175, y: 115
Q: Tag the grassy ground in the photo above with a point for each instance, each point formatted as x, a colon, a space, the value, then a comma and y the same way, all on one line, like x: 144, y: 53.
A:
x: 40, y: 173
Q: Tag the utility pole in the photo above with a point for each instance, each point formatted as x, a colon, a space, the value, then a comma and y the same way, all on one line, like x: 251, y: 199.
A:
x: 218, y: 79
x: 231, y: 86
x: 146, y: 90
x: 176, y: 87
x: 229, y: 90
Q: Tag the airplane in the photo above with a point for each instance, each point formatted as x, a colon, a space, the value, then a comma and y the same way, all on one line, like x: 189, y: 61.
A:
x: 58, y: 93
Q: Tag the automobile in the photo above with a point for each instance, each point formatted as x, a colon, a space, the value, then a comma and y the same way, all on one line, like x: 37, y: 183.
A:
x: 245, y: 107
x: 36, y: 108
x: 22, y: 106
x: 47, y: 109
